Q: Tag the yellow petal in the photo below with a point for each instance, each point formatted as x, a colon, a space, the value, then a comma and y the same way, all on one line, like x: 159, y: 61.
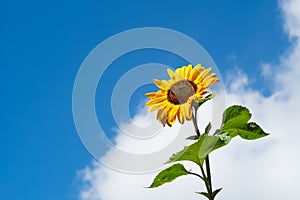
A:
x: 171, y: 122
x: 180, y: 116
x: 210, y: 76
x: 175, y: 75
x: 152, y: 95
x: 186, y: 110
x: 181, y: 71
x: 202, y: 76
x: 159, y: 113
x: 210, y: 82
x: 195, y: 72
x: 171, y: 74
x: 205, y: 72
x: 185, y: 69
x: 155, y: 101
x: 164, y: 114
x: 158, y: 106
x: 163, y: 84
x: 172, y: 114
x: 188, y: 71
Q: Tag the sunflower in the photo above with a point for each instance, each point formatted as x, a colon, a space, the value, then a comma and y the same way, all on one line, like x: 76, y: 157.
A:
x: 175, y: 98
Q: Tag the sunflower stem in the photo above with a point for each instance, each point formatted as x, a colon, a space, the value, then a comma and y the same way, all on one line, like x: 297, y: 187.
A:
x: 194, y: 119
x: 206, y: 176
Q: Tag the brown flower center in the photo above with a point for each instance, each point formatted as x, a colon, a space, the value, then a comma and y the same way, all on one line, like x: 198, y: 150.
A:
x: 180, y: 92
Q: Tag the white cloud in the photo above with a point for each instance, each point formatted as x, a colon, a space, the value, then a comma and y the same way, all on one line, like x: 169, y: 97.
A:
x: 291, y: 14
x: 266, y: 70
x: 262, y: 169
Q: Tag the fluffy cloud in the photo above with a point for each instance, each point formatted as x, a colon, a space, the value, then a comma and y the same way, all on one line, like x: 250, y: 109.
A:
x: 262, y: 169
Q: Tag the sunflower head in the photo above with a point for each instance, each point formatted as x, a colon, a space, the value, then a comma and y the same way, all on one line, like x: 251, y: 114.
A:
x: 176, y: 95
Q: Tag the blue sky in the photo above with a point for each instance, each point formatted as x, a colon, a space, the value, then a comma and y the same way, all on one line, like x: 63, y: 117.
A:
x: 43, y: 45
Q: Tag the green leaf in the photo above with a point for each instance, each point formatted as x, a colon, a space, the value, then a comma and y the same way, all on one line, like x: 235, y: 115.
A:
x: 219, y: 144
x: 236, y: 111
x: 193, y: 137
x: 204, y: 194
x: 198, y: 151
x: 168, y: 175
x: 207, y: 128
x: 216, y: 192
x: 225, y: 137
x: 208, y: 195
x: 235, y: 117
x: 235, y: 122
x: 209, y: 142
x: 253, y: 131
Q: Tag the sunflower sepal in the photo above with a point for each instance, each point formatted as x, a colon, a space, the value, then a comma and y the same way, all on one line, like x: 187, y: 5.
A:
x: 201, y: 101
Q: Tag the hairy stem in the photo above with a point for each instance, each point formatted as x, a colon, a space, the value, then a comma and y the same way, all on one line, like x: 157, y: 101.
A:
x: 192, y: 173
x: 208, y: 175
x: 205, y: 177
x: 194, y: 119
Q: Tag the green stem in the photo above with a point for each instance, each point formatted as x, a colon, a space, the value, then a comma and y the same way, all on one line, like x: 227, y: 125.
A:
x: 208, y: 175
x: 192, y: 173
x: 206, y: 181
x: 204, y: 177
x: 194, y: 119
